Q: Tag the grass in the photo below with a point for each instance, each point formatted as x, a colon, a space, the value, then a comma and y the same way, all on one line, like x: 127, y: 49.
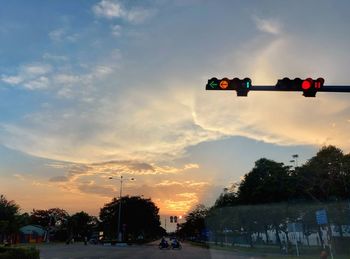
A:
x: 269, y: 252
x: 304, y: 257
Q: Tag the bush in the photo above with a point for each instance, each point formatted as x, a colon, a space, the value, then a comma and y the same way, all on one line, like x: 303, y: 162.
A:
x: 19, y: 253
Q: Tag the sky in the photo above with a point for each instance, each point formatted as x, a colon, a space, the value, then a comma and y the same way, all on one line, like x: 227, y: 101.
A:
x: 93, y: 89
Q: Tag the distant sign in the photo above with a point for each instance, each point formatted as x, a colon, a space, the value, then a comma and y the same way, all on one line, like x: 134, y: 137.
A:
x: 321, y: 217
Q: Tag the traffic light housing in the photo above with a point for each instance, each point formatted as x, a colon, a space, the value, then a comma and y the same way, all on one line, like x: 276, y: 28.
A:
x: 241, y: 86
x: 308, y: 86
x: 171, y: 219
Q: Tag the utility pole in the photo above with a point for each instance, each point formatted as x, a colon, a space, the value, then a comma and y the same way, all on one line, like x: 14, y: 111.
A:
x: 120, y: 209
x: 119, y: 234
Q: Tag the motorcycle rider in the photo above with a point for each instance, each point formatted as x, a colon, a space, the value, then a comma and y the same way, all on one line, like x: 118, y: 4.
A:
x: 175, y: 243
x: 163, y: 243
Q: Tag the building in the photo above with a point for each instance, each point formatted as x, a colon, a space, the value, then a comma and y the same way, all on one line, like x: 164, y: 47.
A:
x: 32, y: 234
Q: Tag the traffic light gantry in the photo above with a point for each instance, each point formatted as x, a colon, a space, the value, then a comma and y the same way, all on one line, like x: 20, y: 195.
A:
x: 308, y: 86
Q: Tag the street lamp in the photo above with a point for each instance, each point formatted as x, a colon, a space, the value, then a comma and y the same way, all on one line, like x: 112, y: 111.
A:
x: 120, y: 205
x: 295, y: 157
x: 292, y: 161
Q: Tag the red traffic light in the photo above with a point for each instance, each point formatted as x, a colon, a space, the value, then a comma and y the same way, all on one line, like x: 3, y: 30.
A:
x: 306, y: 84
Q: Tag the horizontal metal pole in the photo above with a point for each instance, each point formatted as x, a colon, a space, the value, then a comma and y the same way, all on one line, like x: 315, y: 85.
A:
x: 335, y: 88
x: 325, y: 88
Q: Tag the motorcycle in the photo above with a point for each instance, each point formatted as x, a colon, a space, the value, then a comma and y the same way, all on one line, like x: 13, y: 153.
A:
x: 176, y: 245
x: 163, y: 245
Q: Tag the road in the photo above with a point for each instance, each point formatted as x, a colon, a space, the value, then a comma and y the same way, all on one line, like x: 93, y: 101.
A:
x: 79, y: 251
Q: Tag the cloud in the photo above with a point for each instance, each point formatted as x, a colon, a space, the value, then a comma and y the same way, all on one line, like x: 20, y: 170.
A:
x: 114, y: 119
x: 182, y: 183
x: 138, y: 15
x: 169, y: 183
x: 30, y: 76
x: 191, y: 166
x: 11, y: 80
x: 108, y: 9
x: 114, y: 9
x: 57, y: 35
x: 179, y: 206
x: 187, y: 195
x: 36, y: 69
x: 93, y: 188
x: 41, y: 82
x: 178, y: 196
x: 116, y: 30
x: 270, y: 26
x: 67, y: 79
x: 64, y: 79
x: 62, y: 35
x: 58, y: 58
x: 169, y: 193
x: 19, y: 177
x: 114, y: 169
x: 132, y: 166
x: 112, y: 127
x: 95, y: 178
x: 59, y: 179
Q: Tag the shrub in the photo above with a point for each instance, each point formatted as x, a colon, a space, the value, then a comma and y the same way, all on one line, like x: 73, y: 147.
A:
x: 19, y: 253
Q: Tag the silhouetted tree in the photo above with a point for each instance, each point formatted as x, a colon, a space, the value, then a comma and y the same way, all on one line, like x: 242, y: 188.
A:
x: 81, y: 225
x: 139, y: 216
x: 229, y: 197
x: 325, y: 176
x: 55, y: 220
x: 9, y: 212
x: 267, y: 182
x: 195, y: 223
x: 50, y: 217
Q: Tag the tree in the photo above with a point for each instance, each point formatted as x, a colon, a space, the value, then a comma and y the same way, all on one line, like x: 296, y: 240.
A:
x: 9, y: 212
x: 229, y: 197
x: 267, y: 182
x: 139, y: 216
x: 54, y: 220
x: 23, y: 219
x: 195, y: 223
x: 50, y: 217
x: 81, y: 224
x: 325, y: 176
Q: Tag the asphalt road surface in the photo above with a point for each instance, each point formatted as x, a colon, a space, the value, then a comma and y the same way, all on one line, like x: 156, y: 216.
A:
x: 79, y: 251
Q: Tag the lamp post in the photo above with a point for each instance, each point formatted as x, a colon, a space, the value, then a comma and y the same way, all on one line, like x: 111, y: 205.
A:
x: 119, y: 234
x: 295, y: 157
